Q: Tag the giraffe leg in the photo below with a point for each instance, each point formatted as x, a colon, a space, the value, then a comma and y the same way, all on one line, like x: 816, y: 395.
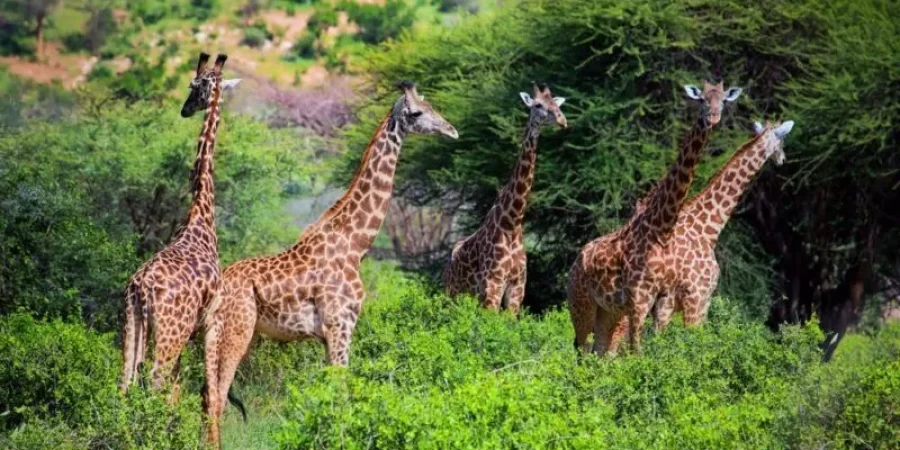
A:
x: 171, y: 336
x: 229, y: 335
x: 583, y: 311
x: 663, y: 309
x: 637, y: 314
x: 621, y: 330
x: 696, y: 304
x: 493, y: 292
x: 339, y: 322
x: 605, y: 332
x: 515, y: 291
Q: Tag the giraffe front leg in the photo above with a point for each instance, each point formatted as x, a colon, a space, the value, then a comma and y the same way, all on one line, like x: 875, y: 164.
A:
x: 607, y: 331
x: 639, y: 307
x: 619, y: 331
x: 665, y: 306
x: 493, y: 292
x: 338, y: 325
x: 515, y: 291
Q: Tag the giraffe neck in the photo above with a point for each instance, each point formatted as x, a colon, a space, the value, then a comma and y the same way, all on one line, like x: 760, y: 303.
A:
x: 716, y: 203
x: 513, y: 197
x: 358, y: 215
x: 671, y: 193
x: 202, y: 213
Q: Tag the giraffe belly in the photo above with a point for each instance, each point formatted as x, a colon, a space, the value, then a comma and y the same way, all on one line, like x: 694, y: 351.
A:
x: 291, y: 324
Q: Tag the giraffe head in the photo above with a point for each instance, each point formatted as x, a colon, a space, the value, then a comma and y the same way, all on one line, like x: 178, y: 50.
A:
x: 204, y: 82
x: 774, y: 138
x: 544, y: 107
x: 712, y: 99
x: 415, y: 115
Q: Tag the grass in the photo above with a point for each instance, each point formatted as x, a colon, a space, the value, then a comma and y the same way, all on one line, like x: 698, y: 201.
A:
x: 263, y: 419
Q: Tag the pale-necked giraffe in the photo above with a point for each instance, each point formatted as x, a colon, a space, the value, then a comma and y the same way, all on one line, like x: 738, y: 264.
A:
x: 685, y: 271
x: 491, y: 261
x: 313, y: 289
x: 167, y: 293
x: 607, y: 279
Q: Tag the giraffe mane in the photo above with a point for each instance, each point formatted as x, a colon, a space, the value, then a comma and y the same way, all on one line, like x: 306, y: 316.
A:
x: 367, y: 155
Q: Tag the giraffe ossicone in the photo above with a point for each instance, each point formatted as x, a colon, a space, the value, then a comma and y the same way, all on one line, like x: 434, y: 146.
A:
x: 491, y: 262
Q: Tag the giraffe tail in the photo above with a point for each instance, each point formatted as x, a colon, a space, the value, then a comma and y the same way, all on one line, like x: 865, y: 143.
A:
x: 237, y: 403
x: 134, y: 336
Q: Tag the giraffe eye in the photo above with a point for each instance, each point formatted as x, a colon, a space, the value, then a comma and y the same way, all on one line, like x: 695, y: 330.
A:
x: 415, y: 114
x: 538, y: 105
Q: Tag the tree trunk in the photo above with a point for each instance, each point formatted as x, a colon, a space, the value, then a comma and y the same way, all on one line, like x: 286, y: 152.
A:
x: 39, y: 31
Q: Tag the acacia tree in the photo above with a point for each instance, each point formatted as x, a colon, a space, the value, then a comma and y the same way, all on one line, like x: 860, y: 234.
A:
x: 817, y: 230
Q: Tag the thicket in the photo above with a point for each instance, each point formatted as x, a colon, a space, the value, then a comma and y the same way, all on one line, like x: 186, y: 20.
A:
x: 90, y: 194
x: 427, y: 372
x: 621, y: 64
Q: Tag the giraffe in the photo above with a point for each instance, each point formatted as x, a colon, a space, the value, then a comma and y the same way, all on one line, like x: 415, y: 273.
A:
x: 312, y: 289
x: 685, y: 271
x: 167, y: 293
x: 492, y: 260
x: 608, y: 274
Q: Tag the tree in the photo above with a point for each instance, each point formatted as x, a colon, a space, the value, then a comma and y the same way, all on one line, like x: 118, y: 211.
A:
x: 37, y: 10
x: 621, y: 64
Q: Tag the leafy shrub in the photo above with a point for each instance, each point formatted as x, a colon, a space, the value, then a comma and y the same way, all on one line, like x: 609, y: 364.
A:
x: 202, y: 10
x: 306, y: 46
x: 257, y: 35
x: 58, y: 382
x: 86, y: 199
x: 379, y: 23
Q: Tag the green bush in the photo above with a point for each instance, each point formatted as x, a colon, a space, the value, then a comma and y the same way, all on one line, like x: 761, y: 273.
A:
x: 379, y: 23
x: 58, y: 388
x: 257, y: 35
x: 427, y: 372
x: 86, y: 199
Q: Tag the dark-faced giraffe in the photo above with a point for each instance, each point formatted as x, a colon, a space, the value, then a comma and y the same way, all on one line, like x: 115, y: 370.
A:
x: 165, y: 296
x: 608, y: 279
x: 491, y: 261
x: 313, y: 289
x: 685, y: 271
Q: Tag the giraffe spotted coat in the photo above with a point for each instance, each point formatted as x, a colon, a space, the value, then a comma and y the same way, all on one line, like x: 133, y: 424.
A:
x: 167, y: 293
x: 313, y: 289
x: 609, y: 278
x: 490, y: 263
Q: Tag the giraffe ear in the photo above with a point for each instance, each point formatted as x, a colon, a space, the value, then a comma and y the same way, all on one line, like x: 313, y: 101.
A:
x: 693, y: 92
x: 228, y: 85
x: 526, y: 98
x: 758, y: 128
x: 733, y: 94
x: 784, y: 129
x: 559, y: 100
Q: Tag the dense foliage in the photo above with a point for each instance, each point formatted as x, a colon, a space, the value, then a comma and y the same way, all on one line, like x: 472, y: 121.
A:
x: 87, y: 198
x: 429, y: 373
x: 621, y: 65
x: 58, y: 390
